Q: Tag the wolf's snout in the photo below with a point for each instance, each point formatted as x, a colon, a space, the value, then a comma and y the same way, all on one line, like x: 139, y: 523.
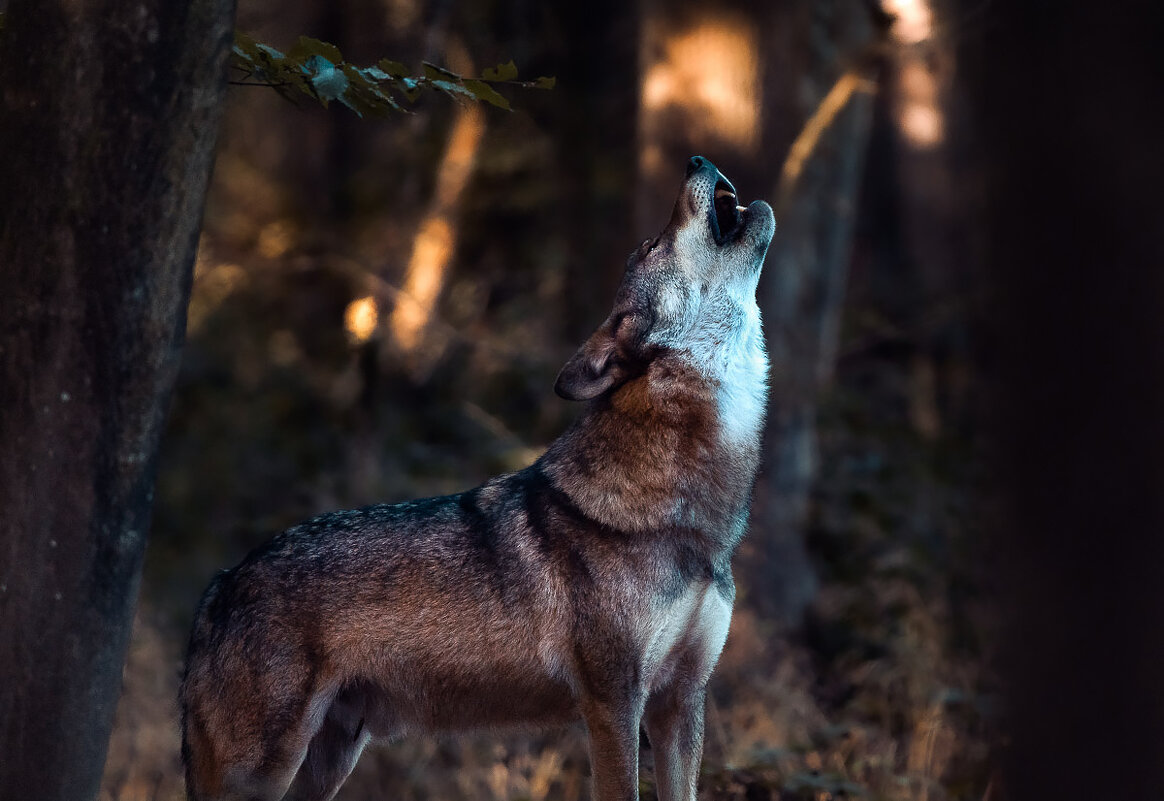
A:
x: 709, y: 192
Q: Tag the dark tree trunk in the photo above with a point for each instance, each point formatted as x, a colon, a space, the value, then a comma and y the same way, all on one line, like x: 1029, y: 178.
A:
x: 108, y: 117
x: 802, y: 292
x: 1068, y: 125
x: 594, y: 120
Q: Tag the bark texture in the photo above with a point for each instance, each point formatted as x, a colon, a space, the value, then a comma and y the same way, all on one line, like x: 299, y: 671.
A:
x: 108, y: 117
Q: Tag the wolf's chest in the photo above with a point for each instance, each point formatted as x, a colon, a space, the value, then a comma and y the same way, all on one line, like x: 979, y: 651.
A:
x: 684, y: 636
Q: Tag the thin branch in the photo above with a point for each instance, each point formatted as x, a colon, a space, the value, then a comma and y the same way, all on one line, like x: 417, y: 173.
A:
x: 851, y: 82
x: 259, y: 83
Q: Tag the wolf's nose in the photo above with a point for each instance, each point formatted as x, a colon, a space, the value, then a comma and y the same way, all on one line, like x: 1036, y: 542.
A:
x: 695, y: 163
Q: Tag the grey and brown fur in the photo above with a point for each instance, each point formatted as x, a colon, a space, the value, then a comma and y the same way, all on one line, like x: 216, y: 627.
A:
x: 594, y: 584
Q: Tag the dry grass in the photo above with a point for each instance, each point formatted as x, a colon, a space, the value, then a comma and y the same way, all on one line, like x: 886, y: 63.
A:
x: 143, y: 762
x: 901, y: 733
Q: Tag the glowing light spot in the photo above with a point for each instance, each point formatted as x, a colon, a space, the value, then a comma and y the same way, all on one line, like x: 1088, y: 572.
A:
x: 913, y: 20
x: 922, y: 124
x: 710, y: 74
x: 274, y: 239
x: 211, y: 287
x: 402, y: 14
x: 919, y: 114
x: 918, y: 106
x: 361, y: 318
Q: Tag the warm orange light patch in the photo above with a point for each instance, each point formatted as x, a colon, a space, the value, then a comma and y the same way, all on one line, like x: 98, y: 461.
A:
x: 710, y: 72
x: 360, y: 318
x: 402, y: 14
x: 922, y: 124
x: 213, y: 284
x: 913, y: 20
x: 919, y: 116
x: 820, y: 121
x: 435, y: 242
x: 460, y: 155
x: 919, y: 112
x: 274, y: 239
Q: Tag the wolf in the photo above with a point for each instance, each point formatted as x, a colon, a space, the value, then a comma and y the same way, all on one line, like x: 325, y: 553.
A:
x: 594, y: 584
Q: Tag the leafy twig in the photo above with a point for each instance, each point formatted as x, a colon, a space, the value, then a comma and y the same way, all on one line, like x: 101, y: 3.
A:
x: 317, y: 69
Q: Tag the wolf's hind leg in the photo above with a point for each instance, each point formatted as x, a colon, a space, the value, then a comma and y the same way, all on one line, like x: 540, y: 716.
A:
x: 246, y: 752
x: 238, y: 771
x: 242, y: 777
x: 333, y: 751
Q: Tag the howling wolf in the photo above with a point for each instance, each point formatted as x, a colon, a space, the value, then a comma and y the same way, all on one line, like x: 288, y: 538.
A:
x: 594, y: 584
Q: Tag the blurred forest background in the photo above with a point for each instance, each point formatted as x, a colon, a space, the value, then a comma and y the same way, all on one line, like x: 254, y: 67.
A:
x: 380, y: 307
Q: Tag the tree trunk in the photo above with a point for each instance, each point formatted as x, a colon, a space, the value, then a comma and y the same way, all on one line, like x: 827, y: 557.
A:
x: 1067, y: 125
x: 803, y: 290
x: 593, y: 118
x: 108, y: 117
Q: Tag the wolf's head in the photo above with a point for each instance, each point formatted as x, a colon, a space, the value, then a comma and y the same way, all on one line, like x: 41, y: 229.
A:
x: 688, y: 293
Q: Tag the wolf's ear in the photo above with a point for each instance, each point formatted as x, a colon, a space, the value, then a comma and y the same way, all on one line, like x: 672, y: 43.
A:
x: 594, y: 369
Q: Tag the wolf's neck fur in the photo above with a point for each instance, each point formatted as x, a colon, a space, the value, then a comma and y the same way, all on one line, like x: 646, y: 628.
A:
x: 656, y: 452
x: 732, y: 357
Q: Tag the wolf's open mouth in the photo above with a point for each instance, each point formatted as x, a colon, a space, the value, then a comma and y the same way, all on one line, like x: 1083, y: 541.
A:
x: 727, y: 215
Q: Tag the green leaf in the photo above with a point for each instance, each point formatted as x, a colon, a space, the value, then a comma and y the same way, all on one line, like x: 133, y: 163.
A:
x: 245, y: 46
x: 364, y: 96
x: 307, y: 47
x: 354, y: 105
x: 453, y: 89
x: 389, y: 103
x: 262, y: 62
x: 270, y: 52
x: 484, y: 91
x: 373, y: 74
x: 502, y: 72
x: 317, y: 69
x: 411, y: 89
x: 435, y: 73
x: 393, y: 68
x: 329, y: 82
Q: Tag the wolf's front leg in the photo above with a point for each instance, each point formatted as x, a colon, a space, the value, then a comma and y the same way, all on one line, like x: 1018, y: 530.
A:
x: 674, y: 719
x: 614, y: 747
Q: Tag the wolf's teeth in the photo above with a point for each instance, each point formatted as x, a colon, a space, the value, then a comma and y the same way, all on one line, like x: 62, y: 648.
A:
x: 724, y: 193
x: 741, y: 209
